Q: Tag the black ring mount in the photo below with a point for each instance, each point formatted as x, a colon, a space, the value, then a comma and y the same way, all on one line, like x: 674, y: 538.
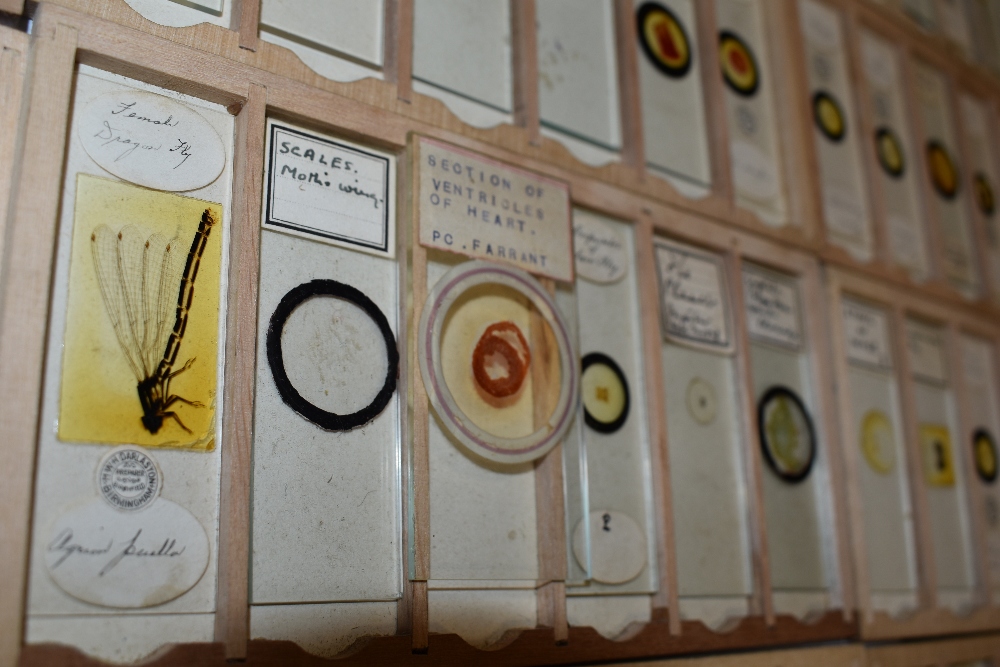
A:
x: 329, y: 420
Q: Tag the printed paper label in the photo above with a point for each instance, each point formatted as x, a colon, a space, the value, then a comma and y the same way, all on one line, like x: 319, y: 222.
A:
x: 328, y: 190
x: 866, y: 333
x: 772, y: 307
x: 694, y: 305
x: 482, y: 208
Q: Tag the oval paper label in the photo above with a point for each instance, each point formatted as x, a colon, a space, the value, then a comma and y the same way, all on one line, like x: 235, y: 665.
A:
x: 617, y: 547
x: 127, y: 560
x: 599, y: 250
x: 151, y: 140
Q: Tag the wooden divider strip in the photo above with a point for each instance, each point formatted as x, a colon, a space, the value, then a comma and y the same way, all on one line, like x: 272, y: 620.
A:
x: 420, y: 569
x: 404, y: 330
x: 550, y: 515
x: 665, y: 599
x: 973, y: 491
x: 629, y: 93
x: 931, y: 217
x: 232, y: 611
x: 761, y: 602
x: 926, y: 574
x: 792, y: 116
x: 12, y: 6
x: 716, y: 111
x: 821, y: 324
x: 245, y: 20
x: 524, y: 47
x: 13, y: 61
x: 869, y: 156
x: 977, y: 221
x: 397, y: 61
x: 24, y: 305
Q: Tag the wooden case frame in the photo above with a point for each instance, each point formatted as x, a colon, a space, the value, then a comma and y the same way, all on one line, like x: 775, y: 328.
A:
x: 61, y: 39
x: 798, y: 155
x: 941, y: 653
x: 912, y: 44
x: 395, y: 93
x: 930, y: 618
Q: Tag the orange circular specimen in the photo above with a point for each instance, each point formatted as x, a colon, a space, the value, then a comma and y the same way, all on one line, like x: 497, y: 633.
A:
x: 494, y: 342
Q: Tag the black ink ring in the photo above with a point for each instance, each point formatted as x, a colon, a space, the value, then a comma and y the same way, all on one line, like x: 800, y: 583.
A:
x: 793, y: 476
x: 596, y: 358
x: 329, y: 420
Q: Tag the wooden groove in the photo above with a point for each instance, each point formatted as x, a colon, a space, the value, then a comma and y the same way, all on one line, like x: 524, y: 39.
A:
x: 430, y: 112
x: 372, y: 111
x: 419, y: 454
x: 977, y: 221
x: 806, y: 204
x: 232, y: 616
x: 973, y: 496
x: 246, y: 23
x: 665, y: 599
x: 398, y: 51
x: 849, y: 453
x: 926, y: 572
x: 531, y: 647
x: 524, y: 47
x: 26, y: 282
x: 762, y: 601
x: 629, y: 95
x: 821, y: 325
x: 715, y: 103
x: 13, y: 61
x: 404, y: 328
x: 869, y: 157
x: 932, y: 217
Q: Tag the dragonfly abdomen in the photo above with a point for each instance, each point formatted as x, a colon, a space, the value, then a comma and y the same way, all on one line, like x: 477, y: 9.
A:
x: 185, y: 295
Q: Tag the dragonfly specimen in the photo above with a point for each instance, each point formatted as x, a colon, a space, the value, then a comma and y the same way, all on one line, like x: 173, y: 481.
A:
x: 143, y: 285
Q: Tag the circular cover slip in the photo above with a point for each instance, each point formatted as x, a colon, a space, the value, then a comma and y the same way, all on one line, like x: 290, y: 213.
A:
x: 985, y: 455
x: 739, y: 66
x: 829, y: 116
x: 944, y: 173
x: 605, y: 393
x: 890, y: 152
x: 663, y: 39
x: 463, y: 308
x: 786, y: 434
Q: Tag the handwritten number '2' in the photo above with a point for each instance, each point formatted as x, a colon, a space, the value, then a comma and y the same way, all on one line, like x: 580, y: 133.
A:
x: 607, y: 520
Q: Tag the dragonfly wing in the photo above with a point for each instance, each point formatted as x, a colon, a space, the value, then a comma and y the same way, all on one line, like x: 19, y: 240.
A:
x: 162, y: 279
x: 105, y: 253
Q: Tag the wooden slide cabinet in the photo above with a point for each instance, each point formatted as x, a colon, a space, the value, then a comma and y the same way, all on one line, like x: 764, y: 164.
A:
x: 505, y: 332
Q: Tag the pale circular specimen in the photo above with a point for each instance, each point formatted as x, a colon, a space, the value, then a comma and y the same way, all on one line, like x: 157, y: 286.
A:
x: 334, y: 354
